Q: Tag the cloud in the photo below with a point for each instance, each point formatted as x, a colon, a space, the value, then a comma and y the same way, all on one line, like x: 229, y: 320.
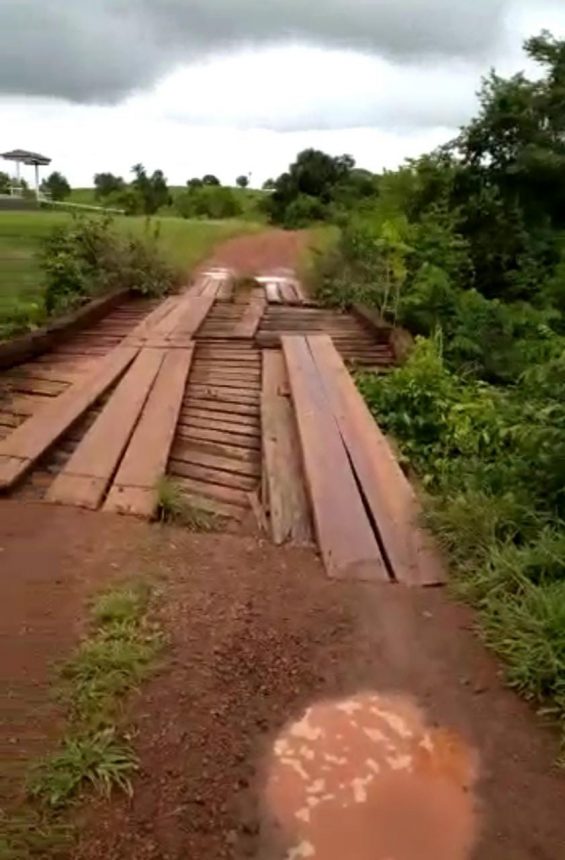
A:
x: 348, y: 90
x: 102, y: 51
x: 83, y: 140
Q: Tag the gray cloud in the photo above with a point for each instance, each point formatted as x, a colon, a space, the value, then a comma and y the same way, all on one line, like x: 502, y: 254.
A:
x: 101, y: 50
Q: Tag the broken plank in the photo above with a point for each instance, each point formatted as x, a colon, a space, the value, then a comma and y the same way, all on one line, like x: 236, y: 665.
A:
x: 388, y: 493
x: 36, y: 435
x: 345, y: 535
x: 288, y: 503
x: 86, y: 476
x: 145, y: 460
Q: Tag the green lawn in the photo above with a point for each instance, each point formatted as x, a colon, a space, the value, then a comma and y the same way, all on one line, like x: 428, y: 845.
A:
x: 184, y: 243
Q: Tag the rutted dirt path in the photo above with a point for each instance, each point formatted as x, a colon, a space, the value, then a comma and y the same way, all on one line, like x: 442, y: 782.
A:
x: 266, y: 252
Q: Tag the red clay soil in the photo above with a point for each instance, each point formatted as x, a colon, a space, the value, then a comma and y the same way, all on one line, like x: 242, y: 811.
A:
x: 264, y: 253
x: 228, y: 755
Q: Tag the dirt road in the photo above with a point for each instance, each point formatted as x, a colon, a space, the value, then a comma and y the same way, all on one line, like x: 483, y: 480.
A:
x: 258, y: 634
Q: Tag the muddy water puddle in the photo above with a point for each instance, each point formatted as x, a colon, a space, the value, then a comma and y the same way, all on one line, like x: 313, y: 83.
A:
x: 366, y: 778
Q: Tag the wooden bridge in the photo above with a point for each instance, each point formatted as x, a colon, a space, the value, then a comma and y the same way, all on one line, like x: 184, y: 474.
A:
x: 243, y: 397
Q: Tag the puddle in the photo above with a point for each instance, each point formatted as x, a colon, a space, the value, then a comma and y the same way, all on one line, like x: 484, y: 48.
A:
x: 366, y: 778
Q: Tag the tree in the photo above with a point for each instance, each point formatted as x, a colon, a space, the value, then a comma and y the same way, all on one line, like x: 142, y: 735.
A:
x: 269, y: 185
x: 242, y: 181
x: 107, y: 183
x: 314, y: 174
x: 208, y: 201
x: 5, y: 183
x: 210, y: 179
x: 195, y: 183
x: 152, y: 190
x: 57, y: 186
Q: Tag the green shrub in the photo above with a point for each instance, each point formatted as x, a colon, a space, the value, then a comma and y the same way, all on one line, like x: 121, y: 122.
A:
x: 208, y: 201
x: 87, y: 258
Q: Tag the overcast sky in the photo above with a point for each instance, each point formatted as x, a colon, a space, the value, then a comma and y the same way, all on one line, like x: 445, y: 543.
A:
x: 240, y: 86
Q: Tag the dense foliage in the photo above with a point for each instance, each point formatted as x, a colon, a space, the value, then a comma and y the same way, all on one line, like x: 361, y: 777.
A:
x: 207, y: 200
x: 87, y: 258
x: 317, y: 187
x: 57, y: 186
x: 464, y: 247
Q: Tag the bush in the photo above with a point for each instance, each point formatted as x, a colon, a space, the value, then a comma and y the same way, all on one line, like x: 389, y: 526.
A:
x: 208, y: 201
x: 86, y: 258
x: 493, y: 462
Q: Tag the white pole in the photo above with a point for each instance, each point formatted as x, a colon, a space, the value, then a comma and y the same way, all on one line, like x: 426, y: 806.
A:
x: 37, y: 180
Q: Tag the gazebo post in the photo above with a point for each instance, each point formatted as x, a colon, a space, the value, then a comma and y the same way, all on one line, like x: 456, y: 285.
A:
x: 36, y: 165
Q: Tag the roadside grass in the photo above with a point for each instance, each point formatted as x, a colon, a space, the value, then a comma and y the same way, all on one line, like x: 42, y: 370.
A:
x: 183, y: 244
x: 490, y: 460
x: 119, y: 651
x: 173, y: 507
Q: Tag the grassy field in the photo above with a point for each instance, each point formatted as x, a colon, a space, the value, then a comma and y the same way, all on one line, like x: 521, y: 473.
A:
x: 249, y: 199
x: 184, y: 243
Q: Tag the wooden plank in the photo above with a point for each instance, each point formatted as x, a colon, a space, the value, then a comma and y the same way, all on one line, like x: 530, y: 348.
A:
x: 228, y: 384
x: 251, y: 410
x: 212, y: 476
x: 29, y: 441
x: 345, y: 536
x: 216, y: 491
x: 272, y: 293
x: 288, y: 503
x: 226, y: 418
x: 210, y: 423
x: 228, y: 395
x: 188, y: 431
x: 287, y: 292
x: 211, y: 506
x: 251, y: 318
x: 186, y: 453
x: 43, y: 387
x: 86, y: 476
x: 194, y: 314
x: 145, y: 460
x: 387, y: 491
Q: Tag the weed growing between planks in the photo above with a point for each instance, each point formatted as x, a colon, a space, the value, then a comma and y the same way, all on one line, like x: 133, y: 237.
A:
x: 118, y: 653
x: 173, y: 507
